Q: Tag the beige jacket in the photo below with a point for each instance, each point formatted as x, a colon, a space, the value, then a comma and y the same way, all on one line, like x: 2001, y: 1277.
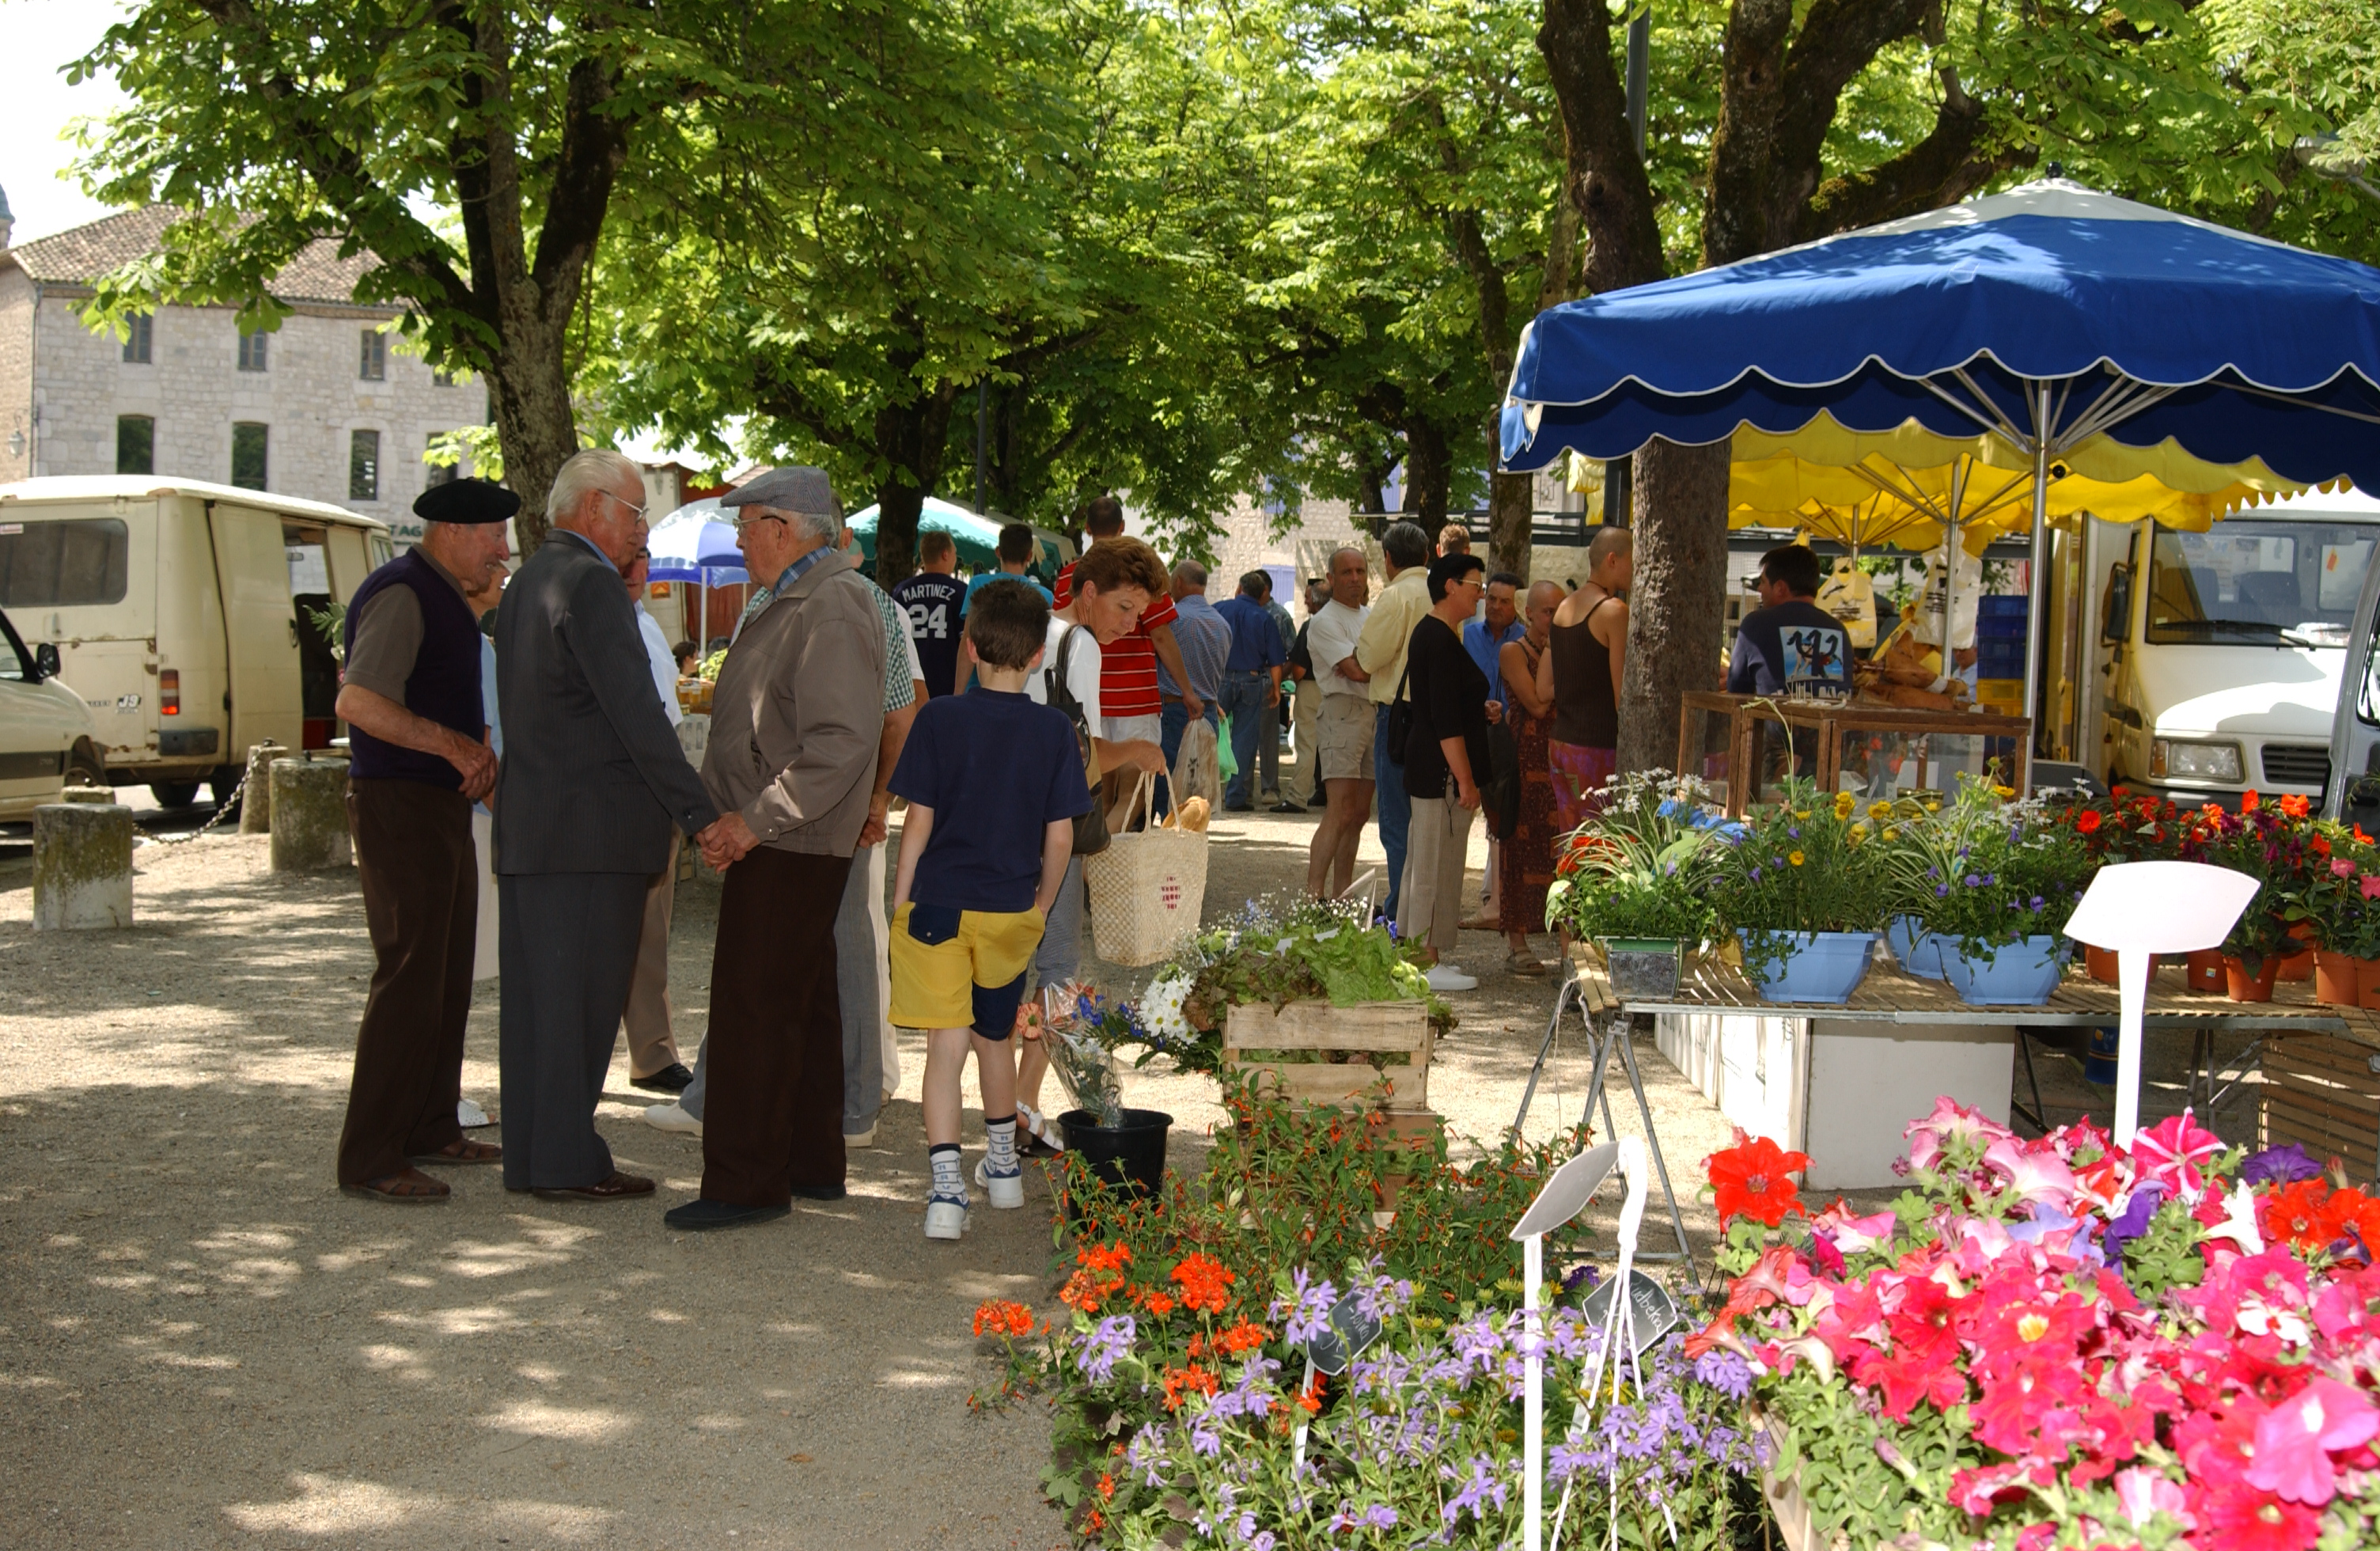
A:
x: 797, y: 712
x: 1388, y: 631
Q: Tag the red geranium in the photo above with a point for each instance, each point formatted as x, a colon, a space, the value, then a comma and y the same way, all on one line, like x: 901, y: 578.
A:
x: 1750, y: 1180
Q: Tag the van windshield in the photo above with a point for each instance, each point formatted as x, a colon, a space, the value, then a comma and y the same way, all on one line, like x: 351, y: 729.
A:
x: 66, y: 564
x: 2256, y: 582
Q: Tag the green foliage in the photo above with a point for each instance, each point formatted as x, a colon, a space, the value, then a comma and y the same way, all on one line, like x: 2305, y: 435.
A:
x: 1810, y: 864
x: 1984, y: 871
x: 1642, y: 866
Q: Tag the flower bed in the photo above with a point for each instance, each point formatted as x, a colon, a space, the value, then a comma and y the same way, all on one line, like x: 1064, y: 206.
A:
x: 2060, y: 1342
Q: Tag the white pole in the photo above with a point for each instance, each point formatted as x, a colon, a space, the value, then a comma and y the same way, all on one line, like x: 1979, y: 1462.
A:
x: 1533, y: 1395
x: 2132, y: 990
x: 2037, y: 607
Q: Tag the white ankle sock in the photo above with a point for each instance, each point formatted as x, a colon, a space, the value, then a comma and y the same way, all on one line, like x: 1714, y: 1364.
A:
x: 1000, y: 1145
x: 943, y: 1159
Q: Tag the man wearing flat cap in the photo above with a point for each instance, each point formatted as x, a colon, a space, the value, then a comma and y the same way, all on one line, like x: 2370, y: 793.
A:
x: 796, y: 718
x: 416, y: 730
x: 593, y: 778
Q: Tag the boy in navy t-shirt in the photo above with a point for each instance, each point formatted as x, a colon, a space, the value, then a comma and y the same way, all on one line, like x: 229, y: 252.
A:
x: 994, y: 784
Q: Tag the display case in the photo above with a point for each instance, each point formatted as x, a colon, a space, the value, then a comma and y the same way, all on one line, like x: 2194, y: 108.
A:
x: 1749, y: 745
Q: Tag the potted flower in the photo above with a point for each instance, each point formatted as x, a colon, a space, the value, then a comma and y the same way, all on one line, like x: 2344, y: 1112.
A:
x: 1633, y: 879
x: 1800, y: 886
x: 2272, y: 843
x: 1991, y: 881
x: 2128, y: 827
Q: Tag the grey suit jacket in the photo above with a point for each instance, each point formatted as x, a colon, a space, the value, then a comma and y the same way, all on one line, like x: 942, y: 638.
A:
x: 593, y: 775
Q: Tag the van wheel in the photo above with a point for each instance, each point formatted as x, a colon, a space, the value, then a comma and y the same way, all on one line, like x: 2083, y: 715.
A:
x: 174, y: 794
x: 224, y: 781
x: 85, y: 768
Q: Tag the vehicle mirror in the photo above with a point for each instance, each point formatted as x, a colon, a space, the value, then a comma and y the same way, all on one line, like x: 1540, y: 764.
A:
x: 2364, y: 802
x: 2115, y: 622
x: 45, y: 659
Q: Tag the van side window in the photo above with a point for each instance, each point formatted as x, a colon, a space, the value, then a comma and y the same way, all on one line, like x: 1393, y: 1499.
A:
x: 66, y: 564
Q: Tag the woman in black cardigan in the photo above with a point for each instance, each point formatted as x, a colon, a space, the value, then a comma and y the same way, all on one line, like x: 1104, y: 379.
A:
x: 1446, y: 760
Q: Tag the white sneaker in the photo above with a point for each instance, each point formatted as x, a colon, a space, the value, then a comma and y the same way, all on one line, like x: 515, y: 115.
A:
x: 1007, y: 1190
x: 860, y: 1138
x: 944, y: 1220
x: 469, y: 1116
x: 669, y: 1117
x: 1445, y: 977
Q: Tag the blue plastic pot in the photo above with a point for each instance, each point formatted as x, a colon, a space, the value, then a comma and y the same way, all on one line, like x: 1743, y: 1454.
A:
x: 2018, y: 974
x: 2099, y: 1057
x: 1918, y: 954
x: 1817, y: 966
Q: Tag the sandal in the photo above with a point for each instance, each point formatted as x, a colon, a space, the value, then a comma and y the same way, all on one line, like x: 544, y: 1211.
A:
x: 409, y: 1187
x: 463, y: 1151
x: 1522, y: 962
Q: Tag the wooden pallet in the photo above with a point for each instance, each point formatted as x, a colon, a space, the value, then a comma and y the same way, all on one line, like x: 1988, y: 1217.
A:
x: 1256, y: 1035
x: 2321, y: 1092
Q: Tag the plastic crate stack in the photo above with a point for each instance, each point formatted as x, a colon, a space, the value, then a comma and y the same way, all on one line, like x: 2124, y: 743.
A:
x: 1999, y: 653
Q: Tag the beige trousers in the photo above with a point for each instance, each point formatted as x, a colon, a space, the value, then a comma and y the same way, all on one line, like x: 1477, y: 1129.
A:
x: 652, y: 1046
x: 1303, y: 713
x: 1430, y: 905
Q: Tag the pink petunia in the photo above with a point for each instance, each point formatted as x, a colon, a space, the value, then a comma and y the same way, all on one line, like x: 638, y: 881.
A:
x: 2144, y: 1492
x: 2294, y: 1440
x: 2175, y: 1153
x: 2034, y: 1176
x: 2342, y: 867
x: 2371, y: 886
x: 1950, y: 1120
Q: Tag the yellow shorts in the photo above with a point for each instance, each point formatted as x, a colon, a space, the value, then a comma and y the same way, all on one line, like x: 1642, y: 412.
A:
x: 963, y: 969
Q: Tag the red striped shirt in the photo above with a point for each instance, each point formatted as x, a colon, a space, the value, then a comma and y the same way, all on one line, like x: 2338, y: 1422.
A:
x: 1128, y: 663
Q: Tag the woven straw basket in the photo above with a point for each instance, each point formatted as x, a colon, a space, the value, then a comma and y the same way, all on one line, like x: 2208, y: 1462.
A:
x: 1146, y: 888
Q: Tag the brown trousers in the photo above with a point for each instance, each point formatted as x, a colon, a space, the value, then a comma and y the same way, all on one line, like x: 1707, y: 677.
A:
x: 420, y: 878
x: 773, y: 1116
x: 652, y: 1046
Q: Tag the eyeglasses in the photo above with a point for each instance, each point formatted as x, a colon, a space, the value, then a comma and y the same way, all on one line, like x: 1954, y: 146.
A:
x: 741, y: 523
x: 623, y: 501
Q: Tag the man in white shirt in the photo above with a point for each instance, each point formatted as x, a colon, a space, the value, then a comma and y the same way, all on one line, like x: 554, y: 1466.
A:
x: 1380, y: 658
x: 654, y: 1063
x: 1342, y: 726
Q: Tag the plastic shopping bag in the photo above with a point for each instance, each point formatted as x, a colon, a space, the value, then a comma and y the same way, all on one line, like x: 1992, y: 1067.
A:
x: 1225, y: 765
x: 1196, y: 773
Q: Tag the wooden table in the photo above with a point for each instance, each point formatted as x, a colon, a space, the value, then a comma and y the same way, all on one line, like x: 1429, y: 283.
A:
x: 1828, y: 720
x: 2321, y: 1062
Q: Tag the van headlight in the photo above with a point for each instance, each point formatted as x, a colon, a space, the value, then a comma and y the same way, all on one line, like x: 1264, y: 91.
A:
x: 2173, y: 759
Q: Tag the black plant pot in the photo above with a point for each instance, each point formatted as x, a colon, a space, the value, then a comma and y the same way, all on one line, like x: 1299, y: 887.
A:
x: 1129, y: 1156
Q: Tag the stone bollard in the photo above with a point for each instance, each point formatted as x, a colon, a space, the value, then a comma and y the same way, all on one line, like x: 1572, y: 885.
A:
x: 87, y: 794
x: 309, y: 815
x: 82, y: 866
x: 256, y: 798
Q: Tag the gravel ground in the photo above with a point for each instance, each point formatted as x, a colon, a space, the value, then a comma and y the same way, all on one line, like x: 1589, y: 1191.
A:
x: 202, y: 1343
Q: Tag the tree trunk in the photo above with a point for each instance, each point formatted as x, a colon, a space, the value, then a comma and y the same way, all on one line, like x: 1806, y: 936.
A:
x: 1429, y: 473
x: 529, y: 390
x: 913, y: 440
x: 1509, y: 503
x: 1677, y: 609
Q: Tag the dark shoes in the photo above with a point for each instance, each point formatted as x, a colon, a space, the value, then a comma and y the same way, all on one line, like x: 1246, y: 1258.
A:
x: 1239, y: 808
x: 406, y: 1187
x: 819, y: 1193
x: 1285, y: 806
x: 617, y: 1187
x: 701, y: 1216
x: 672, y: 1078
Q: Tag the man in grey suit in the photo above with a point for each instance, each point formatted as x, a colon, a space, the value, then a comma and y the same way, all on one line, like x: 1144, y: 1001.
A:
x: 593, y: 778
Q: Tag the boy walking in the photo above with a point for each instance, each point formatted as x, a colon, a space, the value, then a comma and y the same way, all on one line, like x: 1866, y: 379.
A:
x: 994, y: 784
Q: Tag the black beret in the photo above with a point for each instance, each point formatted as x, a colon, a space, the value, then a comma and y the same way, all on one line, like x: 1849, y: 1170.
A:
x: 468, y: 501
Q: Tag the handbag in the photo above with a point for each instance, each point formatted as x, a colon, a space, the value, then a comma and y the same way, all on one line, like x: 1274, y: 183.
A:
x: 1400, y: 715
x: 1090, y: 829
x: 1147, y: 888
x: 1500, y: 796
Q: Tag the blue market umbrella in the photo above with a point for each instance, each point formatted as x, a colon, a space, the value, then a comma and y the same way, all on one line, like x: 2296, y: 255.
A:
x: 2046, y: 316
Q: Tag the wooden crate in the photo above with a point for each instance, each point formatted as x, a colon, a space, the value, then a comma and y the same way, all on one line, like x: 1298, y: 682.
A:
x: 2321, y: 1092
x: 1415, y: 1131
x: 1255, y: 1035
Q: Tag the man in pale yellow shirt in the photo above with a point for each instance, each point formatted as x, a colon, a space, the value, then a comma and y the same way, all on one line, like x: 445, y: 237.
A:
x: 1381, y: 653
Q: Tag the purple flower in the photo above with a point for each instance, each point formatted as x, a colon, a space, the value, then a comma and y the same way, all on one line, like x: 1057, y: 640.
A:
x: 1724, y: 1371
x: 2281, y: 1166
x: 1306, y: 1311
x: 1755, y: 875
x: 1972, y: 881
x: 1101, y: 1346
x: 1482, y: 1486
x: 1941, y: 890
x: 1378, y: 1516
x: 2139, y: 1207
x: 1793, y: 829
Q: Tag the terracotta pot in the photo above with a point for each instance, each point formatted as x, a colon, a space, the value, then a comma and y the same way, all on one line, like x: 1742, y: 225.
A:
x: 2367, y: 983
x: 2244, y: 988
x: 2101, y: 963
x: 2299, y: 966
x: 2337, y: 979
x: 2206, y: 970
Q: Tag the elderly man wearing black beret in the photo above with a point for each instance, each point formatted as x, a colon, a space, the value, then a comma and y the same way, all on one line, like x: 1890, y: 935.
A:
x: 417, y: 729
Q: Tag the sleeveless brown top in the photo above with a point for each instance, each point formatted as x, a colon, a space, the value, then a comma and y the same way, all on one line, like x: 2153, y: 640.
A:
x: 1586, y: 714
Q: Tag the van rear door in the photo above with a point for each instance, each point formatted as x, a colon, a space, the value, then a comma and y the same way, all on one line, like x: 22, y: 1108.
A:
x: 260, y: 626
x: 83, y: 575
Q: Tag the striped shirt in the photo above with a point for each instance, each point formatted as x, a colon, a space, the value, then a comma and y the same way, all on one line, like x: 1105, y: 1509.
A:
x: 1128, y: 664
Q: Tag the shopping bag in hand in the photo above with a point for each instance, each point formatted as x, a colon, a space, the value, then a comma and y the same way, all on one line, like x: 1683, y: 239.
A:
x: 1225, y: 766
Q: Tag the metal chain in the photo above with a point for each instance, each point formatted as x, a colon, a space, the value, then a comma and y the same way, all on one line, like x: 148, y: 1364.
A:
x: 223, y: 811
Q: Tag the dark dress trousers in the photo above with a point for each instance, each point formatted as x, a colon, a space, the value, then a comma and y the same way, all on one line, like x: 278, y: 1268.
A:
x: 594, y: 777
x: 419, y: 877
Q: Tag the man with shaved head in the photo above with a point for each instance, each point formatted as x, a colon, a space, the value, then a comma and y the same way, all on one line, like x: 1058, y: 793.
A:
x: 1343, y: 732
x: 1580, y: 672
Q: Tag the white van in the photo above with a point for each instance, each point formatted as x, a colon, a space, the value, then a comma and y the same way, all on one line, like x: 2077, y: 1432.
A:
x: 182, y: 613
x: 45, y: 732
x: 2216, y: 663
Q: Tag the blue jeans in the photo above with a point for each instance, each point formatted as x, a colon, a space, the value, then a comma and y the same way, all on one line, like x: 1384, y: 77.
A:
x: 1396, y: 809
x: 1172, y: 721
x: 1244, y: 701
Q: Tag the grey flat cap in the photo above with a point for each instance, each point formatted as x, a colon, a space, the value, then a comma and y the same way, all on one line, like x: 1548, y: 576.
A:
x: 807, y: 490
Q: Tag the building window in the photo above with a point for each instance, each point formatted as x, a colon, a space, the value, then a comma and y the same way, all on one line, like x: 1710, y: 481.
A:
x: 373, y: 367
x: 136, y: 444
x: 363, y: 465
x: 136, y: 342
x: 442, y: 379
x: 248, y: 454
x: 252, y: 350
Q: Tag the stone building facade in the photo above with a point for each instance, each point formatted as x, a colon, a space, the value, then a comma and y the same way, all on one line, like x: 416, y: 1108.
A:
x: 323, y: 407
